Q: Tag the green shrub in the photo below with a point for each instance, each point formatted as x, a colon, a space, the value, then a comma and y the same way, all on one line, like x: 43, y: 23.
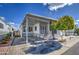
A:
x: 77, y: 31
x: 5, y: 39
x: 4, y: 42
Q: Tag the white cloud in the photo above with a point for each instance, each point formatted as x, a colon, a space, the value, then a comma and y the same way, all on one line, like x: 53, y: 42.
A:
x: 77, y: 20
x: 2, y: 18
x: 76, y: 23
x: 14, y: 25
x: 55, y: 6
x: 44, y: 3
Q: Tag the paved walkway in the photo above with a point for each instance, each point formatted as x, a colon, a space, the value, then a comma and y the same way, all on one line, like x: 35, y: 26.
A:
x: 13, y: 50
x: 17, y: 48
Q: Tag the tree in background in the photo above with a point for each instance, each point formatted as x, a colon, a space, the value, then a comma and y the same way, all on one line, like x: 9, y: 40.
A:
x: 65, y: 23
x: 77, y: 30
x: 53, y: 27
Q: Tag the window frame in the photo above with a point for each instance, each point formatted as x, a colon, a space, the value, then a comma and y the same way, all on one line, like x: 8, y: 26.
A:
x: 35, y: 28
x: 1, y: 26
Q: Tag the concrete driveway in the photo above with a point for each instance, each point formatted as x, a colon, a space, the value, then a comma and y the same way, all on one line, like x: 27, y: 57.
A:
x: 18, y: 41
x: 74, y: 50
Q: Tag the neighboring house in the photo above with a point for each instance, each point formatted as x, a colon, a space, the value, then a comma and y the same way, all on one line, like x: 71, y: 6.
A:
x: 16, y: 33
x: 4, y: 28
x: 35, y: 25
x: 66, y: 32
x: 70, y: 32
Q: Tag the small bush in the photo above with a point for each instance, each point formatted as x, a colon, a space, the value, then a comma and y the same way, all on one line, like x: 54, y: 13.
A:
x: 4, y: 42
x: 77, y: 31
x: 5, y: 39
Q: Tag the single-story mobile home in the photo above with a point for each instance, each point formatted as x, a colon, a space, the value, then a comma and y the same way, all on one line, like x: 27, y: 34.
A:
x: 34, y: 26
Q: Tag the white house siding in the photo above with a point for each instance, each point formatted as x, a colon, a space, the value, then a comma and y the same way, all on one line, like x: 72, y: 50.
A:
x: 37, y: 31
x: 38, y: 22
x: 67, y: 32
x: 10, y: 29
x: 5, y: 29
x: 35, y: 21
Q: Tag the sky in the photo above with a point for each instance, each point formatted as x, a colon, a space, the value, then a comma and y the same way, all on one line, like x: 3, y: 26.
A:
x: 14, y: 13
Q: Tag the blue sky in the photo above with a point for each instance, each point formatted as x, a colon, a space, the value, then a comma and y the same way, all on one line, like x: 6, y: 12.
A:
x: 14, y: 13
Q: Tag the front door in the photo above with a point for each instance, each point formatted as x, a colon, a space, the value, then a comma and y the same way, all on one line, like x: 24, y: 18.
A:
x: 43, y: 29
